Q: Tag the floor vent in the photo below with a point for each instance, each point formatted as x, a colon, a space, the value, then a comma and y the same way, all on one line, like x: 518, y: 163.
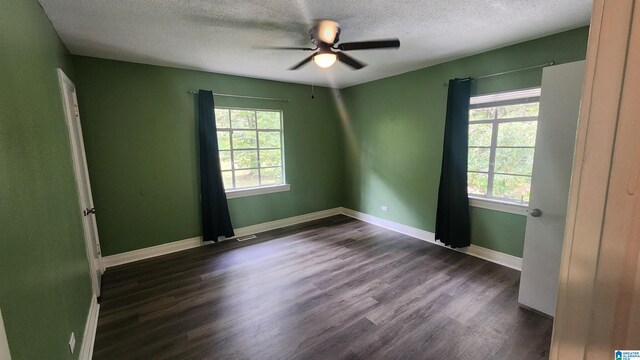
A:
x: 245, y: 238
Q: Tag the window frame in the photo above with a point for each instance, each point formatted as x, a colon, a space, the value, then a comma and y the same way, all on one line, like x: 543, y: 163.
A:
x: 523, y: 96
x: 260, y: 189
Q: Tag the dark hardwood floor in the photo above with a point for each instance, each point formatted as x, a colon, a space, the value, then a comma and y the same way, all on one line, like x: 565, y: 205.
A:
x: 335, y: 288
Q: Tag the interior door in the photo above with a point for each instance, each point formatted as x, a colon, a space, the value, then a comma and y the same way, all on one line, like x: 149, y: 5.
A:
x: 551, y: 177
x: 82, y: 180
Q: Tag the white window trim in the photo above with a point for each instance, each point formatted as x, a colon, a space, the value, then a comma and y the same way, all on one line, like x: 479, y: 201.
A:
x: 497, y: 205
x: 533, y: 92
x: 261, y: 190
x: 490, y: 202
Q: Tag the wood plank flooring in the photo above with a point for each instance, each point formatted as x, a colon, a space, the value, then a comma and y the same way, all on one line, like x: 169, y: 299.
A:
x: 336, y: 288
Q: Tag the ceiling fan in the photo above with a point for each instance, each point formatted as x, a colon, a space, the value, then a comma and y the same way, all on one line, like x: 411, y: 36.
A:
x: 325, y: 35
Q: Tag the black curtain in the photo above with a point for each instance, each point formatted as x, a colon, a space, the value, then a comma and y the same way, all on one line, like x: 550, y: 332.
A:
x: 215, y: 212
x: 452, y: 217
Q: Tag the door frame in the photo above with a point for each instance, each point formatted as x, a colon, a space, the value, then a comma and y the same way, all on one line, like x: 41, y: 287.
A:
x: 598, y: 309
x: 5, y: 353
x: 81, y: 176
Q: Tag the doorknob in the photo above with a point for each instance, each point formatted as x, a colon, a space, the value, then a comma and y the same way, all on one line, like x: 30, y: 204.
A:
x: 536, y: 212
x: 88, y: 211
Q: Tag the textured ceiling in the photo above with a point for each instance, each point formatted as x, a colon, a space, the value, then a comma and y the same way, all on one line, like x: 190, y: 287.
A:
x: 224, y: 36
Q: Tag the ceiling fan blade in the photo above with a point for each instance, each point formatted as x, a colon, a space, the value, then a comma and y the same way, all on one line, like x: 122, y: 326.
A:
x: 375, y: 44
x: 283, y: 48
x: 303, y: 62
x: 350, y: 61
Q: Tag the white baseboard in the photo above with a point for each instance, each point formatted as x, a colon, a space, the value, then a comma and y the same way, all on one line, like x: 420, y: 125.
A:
x: 391, y: 225
x: 473, y: 250
x: 276, y: 224
x: 153, y: 251
x: 497, y: 257
x: 89, y: 337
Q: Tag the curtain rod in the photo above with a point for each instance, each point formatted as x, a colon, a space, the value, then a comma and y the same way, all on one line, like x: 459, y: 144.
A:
x: 244, y: 96
x: 549, y: 63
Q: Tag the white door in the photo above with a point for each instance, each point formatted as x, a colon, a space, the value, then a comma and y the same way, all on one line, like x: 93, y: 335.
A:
x: 555, y: 142
x: 82, y: 180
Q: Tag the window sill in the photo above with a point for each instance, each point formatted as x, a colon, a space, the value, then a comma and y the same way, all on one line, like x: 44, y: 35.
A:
x: 497, y: 205
x: 232, y: 194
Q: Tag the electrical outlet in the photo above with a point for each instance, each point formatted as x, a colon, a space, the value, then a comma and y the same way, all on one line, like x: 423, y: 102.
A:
x: 72, y: 342
x: 384, y: 208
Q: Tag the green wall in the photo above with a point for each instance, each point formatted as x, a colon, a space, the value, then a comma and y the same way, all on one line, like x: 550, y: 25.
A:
x: 139, y: 132
x: 138, y: 123
x: 394, y: 129
x: 45, y: 288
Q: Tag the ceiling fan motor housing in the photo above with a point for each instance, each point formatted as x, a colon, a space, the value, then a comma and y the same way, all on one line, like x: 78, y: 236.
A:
x: 325, y: 33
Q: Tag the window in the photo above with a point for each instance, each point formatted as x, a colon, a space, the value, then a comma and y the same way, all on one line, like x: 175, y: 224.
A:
x: 250, y: 146
x: 502, y: 136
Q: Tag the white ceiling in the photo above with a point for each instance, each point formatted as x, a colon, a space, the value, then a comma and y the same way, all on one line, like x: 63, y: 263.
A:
x: 224, y: 36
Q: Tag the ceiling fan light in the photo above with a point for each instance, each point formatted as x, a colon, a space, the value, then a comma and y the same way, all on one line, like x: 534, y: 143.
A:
x: 325, y: 60
x: 327, y: 31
